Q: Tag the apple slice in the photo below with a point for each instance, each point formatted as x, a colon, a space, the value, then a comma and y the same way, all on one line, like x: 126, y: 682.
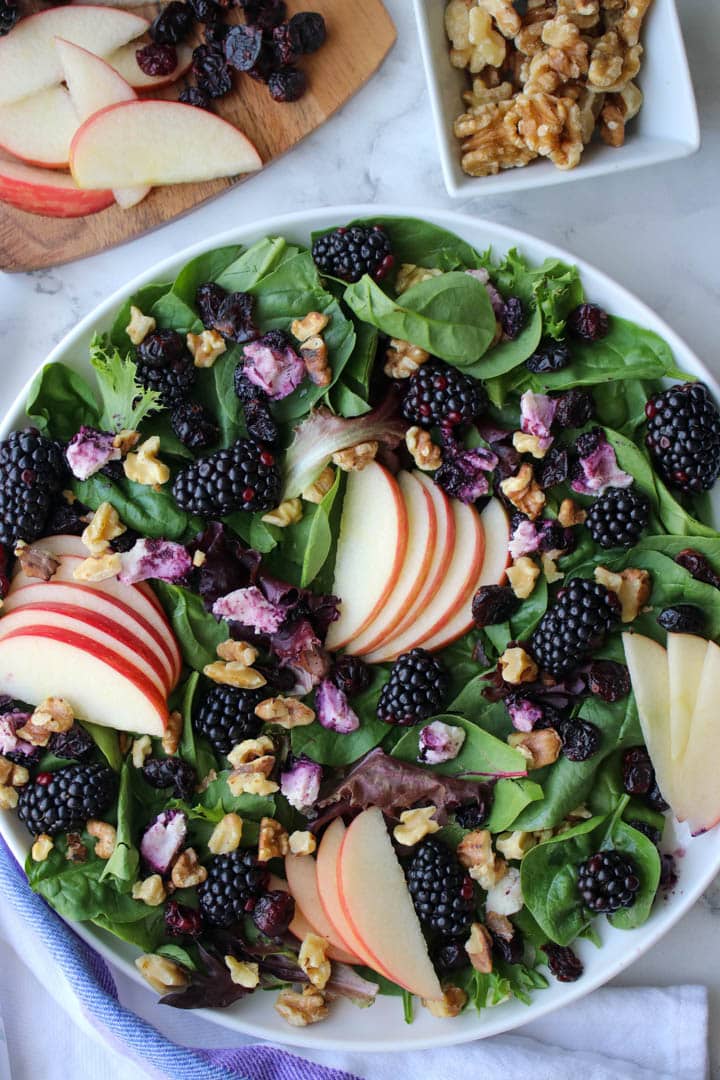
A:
x: 158, y: 142
x: 422, y: 534
x: 39, y: 129
x: 124, y: 61
x: 648, y: 666
x: 102, y: 630
x: 697, y: 796
x: 378, y: 906
x: 28, y: 59
x: 326, y: 866
x: 301, y: 873
x: 370, y: 551
x: 686, y: 657
x: 93, y: 600
x: 460, y: 577
x: 39, y: 191
x: 496, y: 537
x: 42, y: 661
x: 94, y: 85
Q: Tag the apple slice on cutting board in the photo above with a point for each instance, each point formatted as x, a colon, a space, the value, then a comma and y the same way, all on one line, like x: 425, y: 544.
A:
x: 124, y: 61
x: 47, y: 193
x: 301, y: 874
x: 29, y: 60
x: 39, y: 128
x: 370, y: 551
x: 158, y: 142
x: 378, y: 906
x: 93, y: 85
x: 422, y: 534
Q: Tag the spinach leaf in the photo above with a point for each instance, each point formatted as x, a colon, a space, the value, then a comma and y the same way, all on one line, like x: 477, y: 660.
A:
x: 646, y: 860
x: 676, y: 519
x: 124, y: 862
x: 506, y: 355
x: 424, y: 244
x: 172, y: 313
x: 450, y: 316
x: 145, y: 934
x: 671, y: 546
x: 144, y: 299
x: 195, y: 751
x: 254, y: 264
x: 359, y: 368
x: 216, y: 390
x: 310, y: 541
x: 60, y: 401
x: 481, y: 757
x: 149, y: 512
x: 510, y: 797
x: 206, y: 267
x: 329, y: 748
x: 198, y: 631
x: 106, y: 740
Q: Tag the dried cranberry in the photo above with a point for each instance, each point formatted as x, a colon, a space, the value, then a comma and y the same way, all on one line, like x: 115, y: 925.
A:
x: 242, y: 46
x: 450, y: 956
x: 182, y: 921
x: 212, y: 73
x: 637, y: 771
x: 682, y: 619
x: 351, y: 675
x: 264, y: 66
x: 9, y: 15
x: 193, y: 95
x: 194, y: 425
x: 260, y: 423
x: 513, y: 317
x: 493, y: 604
x: 588, y: 322
x: 553, y: 468
x: 307, y: 31
x: 474, y: 815
x: 64, y: 519
x: 235, y: 318
x: 4, y: 578
x: 74, y: 745
x: 551, y: 717
x: 580, y: 738
x: 590, y: 442
x: 698, y: 566
x: 162, y: 349
x: 171, y: 772
x: 156, y: 59
x: 655, y: 800
x: 173, y: 24
x: 283, y: 49
x: 510, y: 950
x: 550, y: 356
x: 273, y: 913
x: 288, y: 84
x: 644, y: 827
x: 554, y: 537
x: 215, y: 33
x: 208, y: 300
x: 246, y: 390
x: 574, y: 409
x: 609, y: 680
x: 668, y: 871
x: 206, y: 11
x: 264, y: 13
x: 564, y: 964
x: 121, y: 544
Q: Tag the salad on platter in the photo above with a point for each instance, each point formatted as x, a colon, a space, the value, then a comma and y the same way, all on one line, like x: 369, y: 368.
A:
x: 359, y: 623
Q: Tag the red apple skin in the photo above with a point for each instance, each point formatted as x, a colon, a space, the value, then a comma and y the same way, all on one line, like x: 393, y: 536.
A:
x: 48, y: 194
x: 327, y: 870
x: 112, y: 659
x: 86, y: 621
x: 301, y: 874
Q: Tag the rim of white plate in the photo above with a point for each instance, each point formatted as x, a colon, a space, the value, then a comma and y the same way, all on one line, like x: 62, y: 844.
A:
x: 380, y: 1028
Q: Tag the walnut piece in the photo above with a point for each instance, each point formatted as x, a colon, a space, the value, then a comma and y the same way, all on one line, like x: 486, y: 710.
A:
x: 126, y: 440
x: 76, y: 852
x: 52, y: 715
x: 105, y: 525
x: 550, y: 126
x: 302, y: 843
x: 517, y: 666
x: 320, y: 487
x: 548, y: 559
x: 42, y: 847
x: 402, y: 359
x: 426, y: 455
x: 630, y: 22
x: 522, y: 576
x: 482, y: 94
x: 250, y: 750
x: 287, y: 513
x: 272, y: 841
x: 105, y: 836
x: 141, y: 749
x: 243, y: 973
x: 205, y: 347
x: 525, y: 443
x: 490, y: 139
x: 286, y: 712
x: 139, y: 326
x: 252, y: 764
x: 618, y: 110
x: 239, y: 651
x: 35, y: 561
x: 8, y: 797
x: 161, y: 973
x: 524, y: 492
x: 415, y: 825
x: 515, y: 844
x: 476, y: 854
x: 314, y: 355
x: 613, y: 63
x: 226, y: 835
x: 187, y: 870
x: 584, y: 13
x: 151, y: 891
x: 172, y: 734
x: 632, y: 588
x: 299, y: 1010
x: 571, y: 514
x: 355, y: 458
x: 451, y: 1004
x: 539, y: 747
x: 313, y: 324
x: 506, y: 17
x: 233, y: 673
x: 98, y: 567
x: 479, y: 948
x: 409, y: 274
x: 144, y: 466
x: 313, y: 960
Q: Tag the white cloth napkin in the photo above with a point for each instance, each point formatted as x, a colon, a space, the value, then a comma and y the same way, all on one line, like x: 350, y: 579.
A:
x: 634, y: 1034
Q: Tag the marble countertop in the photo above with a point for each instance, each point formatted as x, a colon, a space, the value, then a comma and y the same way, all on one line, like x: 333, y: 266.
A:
x: 655, y: 231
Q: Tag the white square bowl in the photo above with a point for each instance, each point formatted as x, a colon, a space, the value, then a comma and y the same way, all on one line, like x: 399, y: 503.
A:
x: 667, y: 126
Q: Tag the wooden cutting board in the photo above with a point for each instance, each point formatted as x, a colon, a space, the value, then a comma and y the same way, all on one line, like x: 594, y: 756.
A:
x: 360, y: 34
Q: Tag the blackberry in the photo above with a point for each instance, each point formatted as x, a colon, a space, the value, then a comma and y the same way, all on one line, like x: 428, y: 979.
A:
x: 442, y: 395
x: 226, y: 716
x: 351, y: 675
x: 417, y: 688
x: 588, y: 322
x: 243, y: 476
x: 683, y: 619
x: 307, y: 31
x: 564, y: 964
x: 173, y: 24
x: 580, y: 739
x: 493, y: 604
x: 618, y: 518
x: 165, y: 365
x: 156, y: 59
x: 348, y: 253
x: 573, y: 626
x: 608, y: 881
x: 9, y: 15
x: 260, y: 423
x: 684, y: 436
x: 654, y: 835
x: 549, y: 356
x: 288, y: 84
x: 31, y: 473
x: 441, y: 891
x: 62, y: 801
x: 233, y: 886
x: 194, y: 426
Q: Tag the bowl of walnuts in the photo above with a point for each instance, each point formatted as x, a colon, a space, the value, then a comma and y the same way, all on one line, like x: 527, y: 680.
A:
x: 527, y: 93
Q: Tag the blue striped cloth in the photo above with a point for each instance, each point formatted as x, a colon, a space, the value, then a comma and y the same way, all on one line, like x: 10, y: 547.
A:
x: 91, y: 981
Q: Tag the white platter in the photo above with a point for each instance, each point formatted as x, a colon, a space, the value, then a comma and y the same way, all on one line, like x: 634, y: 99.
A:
x: 381, y: 1027
x: 666, y: 128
